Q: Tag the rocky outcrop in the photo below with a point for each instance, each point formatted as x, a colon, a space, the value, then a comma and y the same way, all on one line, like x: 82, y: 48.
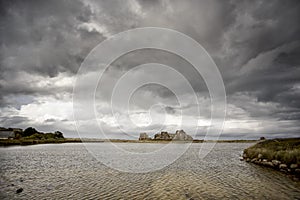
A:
x: 144, y: 136
x: 163, y: 136
x: 180, y: 135
x: 293, y: 169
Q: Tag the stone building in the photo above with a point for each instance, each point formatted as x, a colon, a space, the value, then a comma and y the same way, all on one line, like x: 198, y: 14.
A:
x: 7, y: 134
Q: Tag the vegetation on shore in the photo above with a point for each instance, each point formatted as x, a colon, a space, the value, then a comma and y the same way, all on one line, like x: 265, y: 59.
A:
x: 16, y: 136
x: 279, y: 154
x: 9, y: 142
x: 284, y: 150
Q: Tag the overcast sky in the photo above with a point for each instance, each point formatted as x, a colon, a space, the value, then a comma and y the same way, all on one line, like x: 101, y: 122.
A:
x: 255, y: 44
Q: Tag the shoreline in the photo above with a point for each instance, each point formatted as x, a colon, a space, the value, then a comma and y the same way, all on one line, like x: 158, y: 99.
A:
x: 279, y: 154
x: 15, y: 142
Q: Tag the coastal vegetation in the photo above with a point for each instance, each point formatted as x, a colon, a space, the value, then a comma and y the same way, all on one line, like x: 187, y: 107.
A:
x: 285, y: 150
x: 28, y: 133
x: 9, y: 142
x: 281, y: 154
x: 16, y: 136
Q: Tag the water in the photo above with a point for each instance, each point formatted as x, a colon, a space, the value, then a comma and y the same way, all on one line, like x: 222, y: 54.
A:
x: 68, y: 171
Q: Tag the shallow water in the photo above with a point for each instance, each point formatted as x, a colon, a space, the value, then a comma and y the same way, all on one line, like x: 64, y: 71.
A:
x: 68, y: 171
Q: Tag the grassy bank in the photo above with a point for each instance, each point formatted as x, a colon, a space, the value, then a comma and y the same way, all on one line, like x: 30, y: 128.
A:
x: 285, y: 150
x: 279, y: 154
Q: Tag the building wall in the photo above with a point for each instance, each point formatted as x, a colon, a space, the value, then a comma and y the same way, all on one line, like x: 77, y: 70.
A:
x: 6, y: 134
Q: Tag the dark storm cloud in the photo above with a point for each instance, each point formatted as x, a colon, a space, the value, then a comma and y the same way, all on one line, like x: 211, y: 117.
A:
x: 14, y: 121
x: 275, y: 79
x: 262, y: 26
x: 44, y: 36
x: 181, y: 65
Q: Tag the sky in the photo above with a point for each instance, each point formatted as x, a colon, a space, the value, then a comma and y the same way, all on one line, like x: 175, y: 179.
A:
x: 255, y: 45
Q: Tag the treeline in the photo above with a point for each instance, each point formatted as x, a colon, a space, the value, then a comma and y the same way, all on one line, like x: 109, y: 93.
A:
x: 32, y: 133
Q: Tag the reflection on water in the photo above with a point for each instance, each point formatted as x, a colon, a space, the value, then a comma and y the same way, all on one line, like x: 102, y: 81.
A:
x: 68, y: 171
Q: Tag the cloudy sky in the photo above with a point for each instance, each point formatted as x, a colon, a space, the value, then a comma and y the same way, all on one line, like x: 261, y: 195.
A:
x: 255, y: 44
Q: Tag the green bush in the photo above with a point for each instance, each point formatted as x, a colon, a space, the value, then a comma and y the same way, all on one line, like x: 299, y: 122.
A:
x: 32, y: 134
x: 29, y: 131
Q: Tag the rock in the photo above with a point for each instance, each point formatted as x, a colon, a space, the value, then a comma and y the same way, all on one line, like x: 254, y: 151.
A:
x: 241, y: 158
x: 276, y: 162
x: 253, y: 160
x: 244, y: 155
x: 248, y: 159
x: 19, y: 190
x: 259, y: 156
x: 266, y: 163
x: 181, y: 135
x: 269, y: 164
x: 144, y: 136
x: 283, y: 170
x: 163, y: 136
x: 297, y: 171
x: 257, y: 162
x: 295, y: 179
x: 293, y: 166
x: 282, y: 166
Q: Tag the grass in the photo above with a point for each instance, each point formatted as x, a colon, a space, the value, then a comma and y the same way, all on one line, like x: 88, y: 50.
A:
x: 285, y: 150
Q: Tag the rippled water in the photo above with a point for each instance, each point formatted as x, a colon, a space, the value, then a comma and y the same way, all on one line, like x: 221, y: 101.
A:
x: 68, y: 171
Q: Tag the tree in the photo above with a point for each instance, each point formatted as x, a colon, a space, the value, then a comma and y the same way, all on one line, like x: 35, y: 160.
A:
x: 58, y: 134
x: 29, y: 131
